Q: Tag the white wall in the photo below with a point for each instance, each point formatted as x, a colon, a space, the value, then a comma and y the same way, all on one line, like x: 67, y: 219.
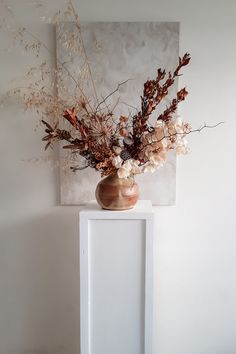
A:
x: 195, y: 263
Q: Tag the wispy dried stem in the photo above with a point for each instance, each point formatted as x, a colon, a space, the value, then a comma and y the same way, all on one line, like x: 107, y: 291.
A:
x: 110, y: 94
x: 76, y: 15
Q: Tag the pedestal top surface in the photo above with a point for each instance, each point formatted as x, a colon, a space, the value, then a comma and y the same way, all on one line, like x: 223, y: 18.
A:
x: 142, y: 207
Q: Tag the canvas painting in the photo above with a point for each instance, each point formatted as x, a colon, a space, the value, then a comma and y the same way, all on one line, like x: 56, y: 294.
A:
x: 126, y: 53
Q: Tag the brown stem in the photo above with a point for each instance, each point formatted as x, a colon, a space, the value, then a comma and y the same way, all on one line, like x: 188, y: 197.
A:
x: 186, y: 133
x: 76, y: 16
x: 112, y: 93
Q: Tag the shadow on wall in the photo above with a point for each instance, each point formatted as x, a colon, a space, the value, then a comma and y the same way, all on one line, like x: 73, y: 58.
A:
x: 39, y: 284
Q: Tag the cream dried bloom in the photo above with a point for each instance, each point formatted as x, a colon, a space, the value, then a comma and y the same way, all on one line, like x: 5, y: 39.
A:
x: 158, y: 159
x: 182, y: 146
x: 123, y: 172
x: 117, y: 162
x: 150, y: 168
x: 129, y: 168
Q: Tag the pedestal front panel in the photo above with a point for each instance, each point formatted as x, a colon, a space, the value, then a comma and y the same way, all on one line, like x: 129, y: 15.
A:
x: 117, y: 286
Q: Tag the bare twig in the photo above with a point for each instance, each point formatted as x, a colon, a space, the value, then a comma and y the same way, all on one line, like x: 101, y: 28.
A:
x: 129, y: 105
x: 115, y: 105
x: 112, y: 93
x: 184, y: 133
x: 107, y: 107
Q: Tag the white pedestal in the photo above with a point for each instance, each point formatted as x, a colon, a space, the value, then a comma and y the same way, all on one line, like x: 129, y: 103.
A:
x: 116, y: 261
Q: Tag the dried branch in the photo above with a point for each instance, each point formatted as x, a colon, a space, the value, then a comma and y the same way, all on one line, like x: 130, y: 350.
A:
x: 110, y: 94
x: 167, y: 114
x: 153, y: 94
x: 182, y: 134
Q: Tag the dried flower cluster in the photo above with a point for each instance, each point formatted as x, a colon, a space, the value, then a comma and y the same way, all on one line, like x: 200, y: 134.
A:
x: 127, y: 145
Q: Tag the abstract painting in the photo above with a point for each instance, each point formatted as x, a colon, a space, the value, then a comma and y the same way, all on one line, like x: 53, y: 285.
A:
x: 117, y: 52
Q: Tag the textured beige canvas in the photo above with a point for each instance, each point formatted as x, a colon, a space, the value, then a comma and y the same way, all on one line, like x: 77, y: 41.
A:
x: 119, y: 51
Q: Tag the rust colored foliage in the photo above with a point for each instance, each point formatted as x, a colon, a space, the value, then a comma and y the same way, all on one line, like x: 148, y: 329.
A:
x: 71, y: 116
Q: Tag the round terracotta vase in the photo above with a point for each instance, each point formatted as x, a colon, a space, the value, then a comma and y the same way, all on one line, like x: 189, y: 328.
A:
x: 114, y: 193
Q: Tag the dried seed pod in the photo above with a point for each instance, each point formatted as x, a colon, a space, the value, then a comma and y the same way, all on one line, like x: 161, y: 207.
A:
x: 125, y: 155
x: 123, y: 132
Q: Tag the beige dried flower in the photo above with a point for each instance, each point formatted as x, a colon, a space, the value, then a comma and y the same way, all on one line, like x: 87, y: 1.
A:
x: 100, y: 131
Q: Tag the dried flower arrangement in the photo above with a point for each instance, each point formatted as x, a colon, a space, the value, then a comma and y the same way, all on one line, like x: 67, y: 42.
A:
x: 126, y: 145
x: 131, y: 145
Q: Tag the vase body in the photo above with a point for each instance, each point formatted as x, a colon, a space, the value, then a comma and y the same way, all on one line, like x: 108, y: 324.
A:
x: 114, y: 193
